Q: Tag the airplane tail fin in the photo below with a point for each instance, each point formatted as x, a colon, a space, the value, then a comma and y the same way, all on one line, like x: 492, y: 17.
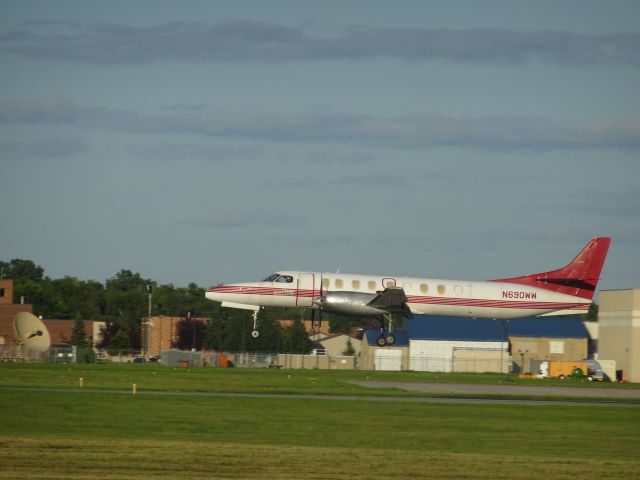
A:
x: 579, y: 278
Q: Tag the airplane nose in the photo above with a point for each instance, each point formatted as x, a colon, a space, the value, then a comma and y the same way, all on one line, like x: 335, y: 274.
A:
x: 214, y: 294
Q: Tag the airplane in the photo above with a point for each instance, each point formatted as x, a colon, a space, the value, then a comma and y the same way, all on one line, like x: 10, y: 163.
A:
x: 568, y: 290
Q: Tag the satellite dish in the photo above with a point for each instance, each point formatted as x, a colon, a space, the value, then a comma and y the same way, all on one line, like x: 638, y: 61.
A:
x: 31, y: 332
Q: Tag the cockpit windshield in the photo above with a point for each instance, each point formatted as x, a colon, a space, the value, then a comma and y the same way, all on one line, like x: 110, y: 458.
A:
x: 276, y: 277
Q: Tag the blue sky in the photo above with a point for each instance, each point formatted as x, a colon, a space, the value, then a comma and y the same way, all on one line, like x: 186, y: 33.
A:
x: 221, y: 141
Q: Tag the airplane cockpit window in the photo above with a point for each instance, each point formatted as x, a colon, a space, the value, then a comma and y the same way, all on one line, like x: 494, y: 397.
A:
x: 285, y: 279
x: 276, y: 277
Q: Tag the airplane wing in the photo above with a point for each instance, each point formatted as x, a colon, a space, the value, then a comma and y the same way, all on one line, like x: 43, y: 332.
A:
x: 392, y: 300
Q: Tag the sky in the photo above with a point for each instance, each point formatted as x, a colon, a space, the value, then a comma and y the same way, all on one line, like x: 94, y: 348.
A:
x: 210, y: 142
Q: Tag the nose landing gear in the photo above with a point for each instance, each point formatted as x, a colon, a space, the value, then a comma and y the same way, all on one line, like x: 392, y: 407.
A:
x: 255, y: 333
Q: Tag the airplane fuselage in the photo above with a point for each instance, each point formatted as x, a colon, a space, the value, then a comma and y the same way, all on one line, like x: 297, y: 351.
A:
x: 349, y: 294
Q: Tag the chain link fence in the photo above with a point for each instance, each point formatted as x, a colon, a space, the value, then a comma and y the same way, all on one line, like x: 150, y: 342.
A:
x: 380, y: 360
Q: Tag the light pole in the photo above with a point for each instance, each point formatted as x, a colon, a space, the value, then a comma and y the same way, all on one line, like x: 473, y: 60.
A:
x: 147, y: 342
x: 522, y: 354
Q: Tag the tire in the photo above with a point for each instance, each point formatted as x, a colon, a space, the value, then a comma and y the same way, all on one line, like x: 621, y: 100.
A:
x: 255, y: 333
x: 390, y: 339
x: 381, y: 342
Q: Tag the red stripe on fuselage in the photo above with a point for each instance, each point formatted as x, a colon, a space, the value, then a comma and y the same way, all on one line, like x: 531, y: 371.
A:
x: 413, y: 299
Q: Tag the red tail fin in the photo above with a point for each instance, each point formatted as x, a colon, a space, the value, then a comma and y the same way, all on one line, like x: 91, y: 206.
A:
x: 579, y: 278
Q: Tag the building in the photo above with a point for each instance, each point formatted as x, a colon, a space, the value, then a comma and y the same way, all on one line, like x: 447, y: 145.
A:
x: 395, y: 357
x: 61, y: 331
x: 619, y: 331
x: 8, y: 310
x: 317, y: 327
x: 335, y: 345
x: 457, y: 344
x: 160, y: 333
x: 536, y: 339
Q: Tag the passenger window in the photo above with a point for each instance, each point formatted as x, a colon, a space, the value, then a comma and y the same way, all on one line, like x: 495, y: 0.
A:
x: 339, y: 283
x: 424, y: 288
x: 356, y: 284
x: 325, y: 283
x: 441, y: 289
x: 390, y: 284
x: 372, y: 285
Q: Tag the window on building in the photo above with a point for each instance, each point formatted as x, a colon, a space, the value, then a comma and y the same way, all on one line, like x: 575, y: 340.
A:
x: 1, y: 292
x: 424, y: 288
x: 355, y: 284
x: 556, y: 346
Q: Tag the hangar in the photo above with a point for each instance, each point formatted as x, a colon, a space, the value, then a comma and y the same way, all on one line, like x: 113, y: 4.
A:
x: 458, y: 344
x: 619, y: 330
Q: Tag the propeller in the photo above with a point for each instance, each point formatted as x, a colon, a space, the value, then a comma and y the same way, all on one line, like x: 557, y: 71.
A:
x: 313, y: 311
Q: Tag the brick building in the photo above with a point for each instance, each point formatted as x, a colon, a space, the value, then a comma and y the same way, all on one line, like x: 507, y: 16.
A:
x: 59, y: 330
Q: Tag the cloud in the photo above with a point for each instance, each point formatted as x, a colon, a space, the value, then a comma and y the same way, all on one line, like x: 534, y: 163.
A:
x: 214, y: 153
x: 411, y: 131
x: 246, y: 219
x: 248, y: 40
x: 55, y: 148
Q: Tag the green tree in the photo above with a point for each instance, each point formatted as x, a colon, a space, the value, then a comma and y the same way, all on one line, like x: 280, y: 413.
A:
x: 592, y: 314
x: 295, y: 339
x: 349, y: 350
x: 78, y: 337
x: 119, y: 343
x: 19, y: 269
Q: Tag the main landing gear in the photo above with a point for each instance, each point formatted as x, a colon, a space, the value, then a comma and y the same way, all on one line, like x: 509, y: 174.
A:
x: 386, y: 338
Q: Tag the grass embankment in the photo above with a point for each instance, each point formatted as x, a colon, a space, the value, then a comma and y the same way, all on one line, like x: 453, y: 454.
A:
x: 103, y: 435
x: 240, y: 380
x: 88, y: 435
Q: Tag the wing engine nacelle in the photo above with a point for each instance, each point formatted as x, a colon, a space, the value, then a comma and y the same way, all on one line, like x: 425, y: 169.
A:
x: 349, y: 303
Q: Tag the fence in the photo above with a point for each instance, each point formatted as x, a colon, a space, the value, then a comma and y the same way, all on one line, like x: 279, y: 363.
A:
x: 380, y: 360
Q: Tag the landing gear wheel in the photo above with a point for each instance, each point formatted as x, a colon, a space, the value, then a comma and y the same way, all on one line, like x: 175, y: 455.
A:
x: 390, y: 339
x: 255, y: 333
x: 380, y: 341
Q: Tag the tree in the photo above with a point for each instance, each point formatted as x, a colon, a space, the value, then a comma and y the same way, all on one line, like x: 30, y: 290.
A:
x: 19, y: 269
x: 592, y: 314
x: 78, y: 337
x: 295, y: 339
x: 349, y: 350
x: 190, y: 334
x: 119, y: 343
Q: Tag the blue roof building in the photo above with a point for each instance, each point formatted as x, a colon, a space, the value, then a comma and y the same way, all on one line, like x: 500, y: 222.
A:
x: 437, y: 343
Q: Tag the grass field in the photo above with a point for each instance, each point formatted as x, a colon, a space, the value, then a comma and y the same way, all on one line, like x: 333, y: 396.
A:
x: 81, y: 434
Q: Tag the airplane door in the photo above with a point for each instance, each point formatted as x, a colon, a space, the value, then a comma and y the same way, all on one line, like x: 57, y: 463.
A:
x: 304, y: 290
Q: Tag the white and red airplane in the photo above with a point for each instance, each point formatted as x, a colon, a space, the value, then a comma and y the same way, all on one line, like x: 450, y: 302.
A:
x: 568, y: 290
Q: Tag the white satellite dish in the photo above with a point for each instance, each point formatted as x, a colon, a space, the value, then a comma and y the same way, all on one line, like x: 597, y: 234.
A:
x: 31, y: 332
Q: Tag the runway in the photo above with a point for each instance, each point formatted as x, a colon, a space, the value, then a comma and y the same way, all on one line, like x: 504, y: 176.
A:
x: 519, y: 390
x: 425, y: 388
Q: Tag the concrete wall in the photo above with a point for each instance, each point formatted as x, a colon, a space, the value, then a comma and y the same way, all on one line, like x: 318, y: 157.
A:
x: 619, y: 319
x: 320, y: 362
